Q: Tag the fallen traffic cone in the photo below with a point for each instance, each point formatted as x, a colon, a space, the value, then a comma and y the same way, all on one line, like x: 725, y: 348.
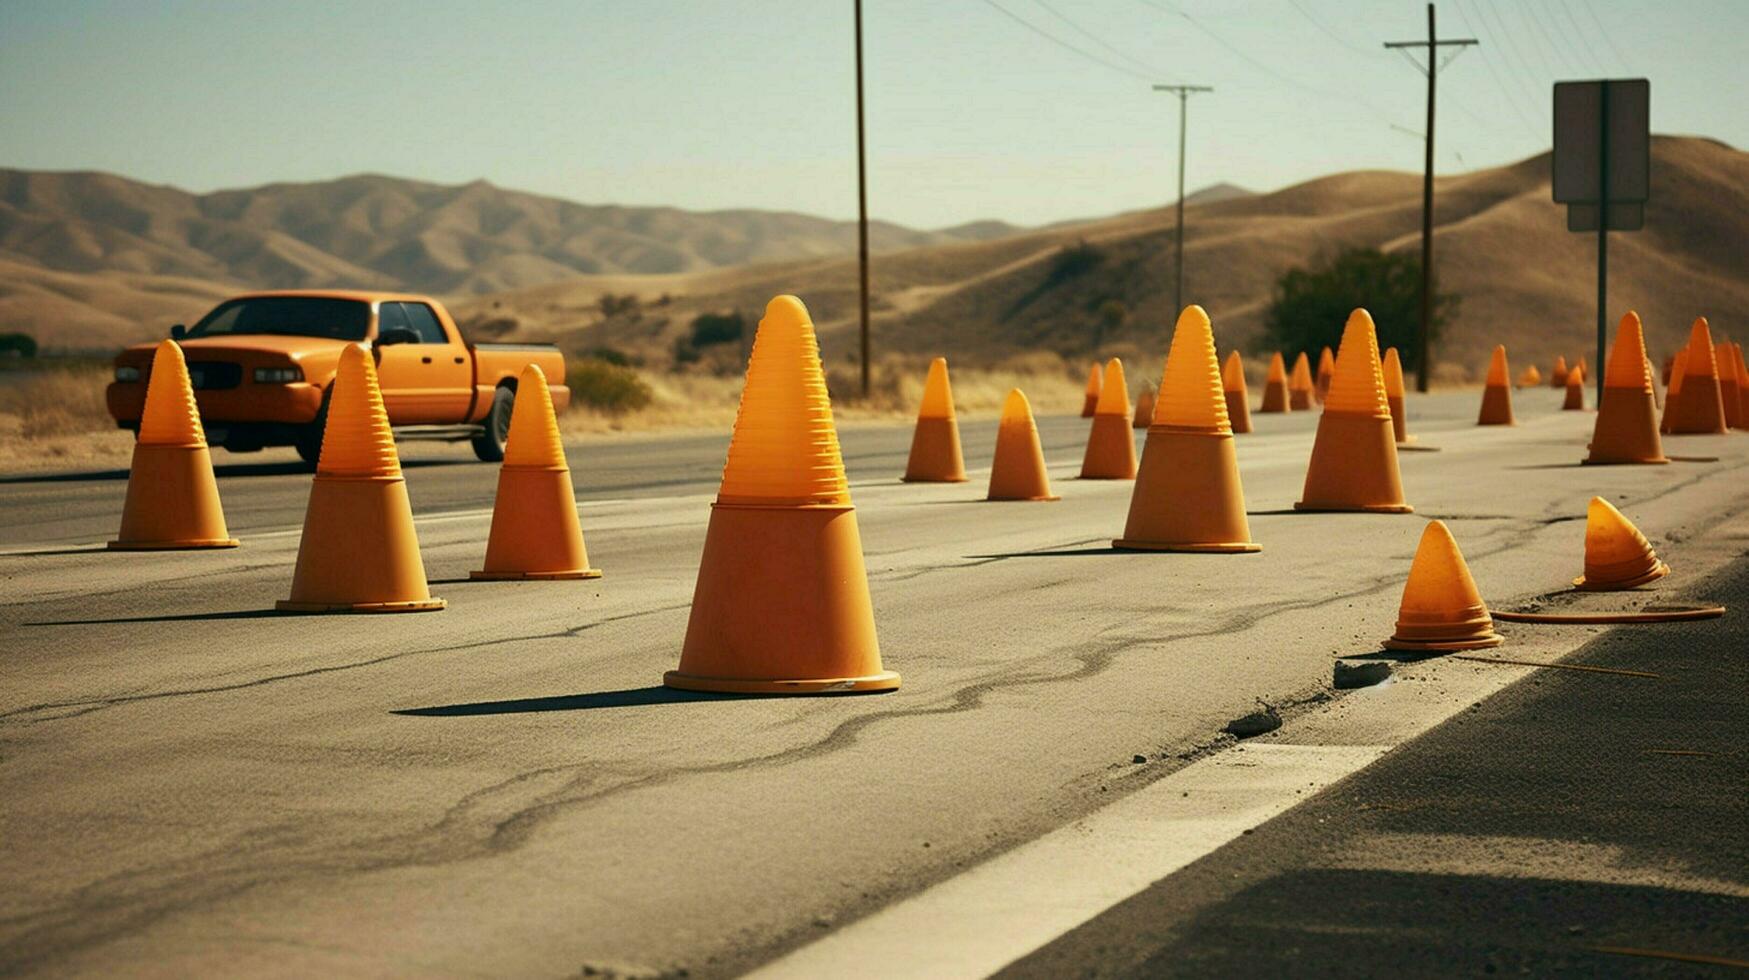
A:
x: 1233, y: 388
x: 1326, y: 371
x: 1018, y: 471
x: 1144, y: 409
x: 1626, y: 430
x: 1275, y: 386
x: 1441, y: 608
x: 1558, y: 373
x: 1674, y: 391
x: 1299, y: 385
x: 1725, y: 358
x: 1617, y: 555
x: 935, y: 445
x: 1091, y: 400
x: 1530, y: 378
x: 1699, y: 409
x: 1575, y: 400
x: 782, y: 604
x: 1354, y: 456
x: 1497, y: 395
x: 1188, y: 497
x: 359, y: 552
x: 535, y: 534
x: 1111, y: 448
x: 1395, y: 394
x: 173, y: 500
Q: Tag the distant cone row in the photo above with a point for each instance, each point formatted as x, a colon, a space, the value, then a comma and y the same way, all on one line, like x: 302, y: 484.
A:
x: 1354, y: 455
x: 1626, y: 430
x: 1111, y: 448
x: 1275, y: 394
x: 1395, y: 394
x: 1497, y: 393
x: 1696, y: 401
x: 1575, y: 398
x: 935, y: 445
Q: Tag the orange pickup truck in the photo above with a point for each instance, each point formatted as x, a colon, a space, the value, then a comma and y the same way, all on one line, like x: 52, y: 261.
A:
x: 262, y: 364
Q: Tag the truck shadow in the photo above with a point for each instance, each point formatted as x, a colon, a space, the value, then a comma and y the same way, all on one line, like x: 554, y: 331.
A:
x: 222, y: 471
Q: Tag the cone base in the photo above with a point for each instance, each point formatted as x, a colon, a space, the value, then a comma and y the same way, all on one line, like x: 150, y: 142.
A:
x: 1660, y: 461
x: 486, y: 576
x: 1478, y: 643
x: 1658, y: 571
x: 1354, y: 466
x: 933, y: 479
x: 173, y: 545
x: 411, y: 605
x: 1241, y: 548
x: 1358, y: 508
x: 886, y: 680
x: 1021, y: 500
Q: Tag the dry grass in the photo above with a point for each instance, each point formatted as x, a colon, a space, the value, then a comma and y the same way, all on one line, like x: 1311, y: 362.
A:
x: 54, y: 418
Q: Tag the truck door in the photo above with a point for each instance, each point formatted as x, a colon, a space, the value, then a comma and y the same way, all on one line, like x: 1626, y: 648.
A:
x: 426, y: 380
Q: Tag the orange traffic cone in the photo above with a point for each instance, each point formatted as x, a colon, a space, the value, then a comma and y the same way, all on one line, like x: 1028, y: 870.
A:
x: 1188, y: 496
x: 1299, y: 385
x: 1354, y: 456
x: 1497, y: 396
x: 359, y: 552
x: 1233, y: 388
x: 1144, y: 409
x: 1617, y: 555
x: 1091, y: 400
x: 1726, y: 360
x: 935, y: 445
x: 1575, y: 400
x: 1326, y: 371
x: 1627, y: 424
x: 535, y: 534
x: 1700, y: 407
x: 1111, y: 448
x: 1742, y: 388
x: 1441, y: 608
x: 1673, y: 393
x: 173, y: 500
x: 1394, y: 396
x: 1275, y: 386
x: 782, y: 604
x: 1530, y: 378
x: 1018, y: 472
x: 1558, y: 373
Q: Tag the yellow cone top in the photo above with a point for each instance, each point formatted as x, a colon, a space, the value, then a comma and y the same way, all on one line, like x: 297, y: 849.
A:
x: 785, y: 447
x: 1678, y: 368
x: 1326, y: 363
x: 1302, y: 376
x: 1016, y: 410
x: 171, y: 417
x: 1114, y: 395
x: 1530, y: 376
x: 1233, y: 374
x: 534, y: 428
x: 1358, y: 387
x: 1576, y: 377
x: 1612, y: 542
x: 1440, y: 589
x: 1094, y: 385
x: 1190, y: 390
x: 357, y: 442
x: 1700, y: 351
x: 1498, y: 376
x: 937, y: 395
x: 1628, y: 366
x: 1277, y: 369
x: 1393, y: 370
x: 1560, y: 368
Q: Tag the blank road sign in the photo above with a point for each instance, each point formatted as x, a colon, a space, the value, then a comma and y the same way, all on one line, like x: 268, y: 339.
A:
x: 1579, y: 142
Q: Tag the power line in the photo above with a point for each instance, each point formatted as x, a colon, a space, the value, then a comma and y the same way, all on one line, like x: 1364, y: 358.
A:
x: 1505, y: 90
x: 1584, y: 44
x: 1077, y: 28
x: 1184, y: 92
x: 1315, y: 22
x: 1622, y: 58
x: 1556, y: 41
x: 1059, y: 42
x: 1511, y: 63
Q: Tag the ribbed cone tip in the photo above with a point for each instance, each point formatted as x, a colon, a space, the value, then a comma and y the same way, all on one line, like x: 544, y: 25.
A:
x: 937, y: 395
x: 1191, y: 395
x: 1093, y: 381
x: 171, y: 417
x: 1393, y: 370
x: 1615, y: 550
x: 1358, y: 387
x: 357, y: 441
x: 1440, y: 589
x: 1277, y: 369
x: 1628, y: 366
x: 1302, y: 376
x: 534, y: 427
x: 1114, y: 396
x: 785, y: 447
x: 1498, y: 376
x: 1700, y: 351
x: 1233, y: 374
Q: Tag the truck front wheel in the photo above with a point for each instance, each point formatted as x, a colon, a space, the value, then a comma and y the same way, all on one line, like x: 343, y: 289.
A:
x: 489, y: 444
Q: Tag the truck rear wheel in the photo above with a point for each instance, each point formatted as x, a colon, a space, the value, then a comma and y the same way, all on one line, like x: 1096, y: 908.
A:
x: 489, y: 444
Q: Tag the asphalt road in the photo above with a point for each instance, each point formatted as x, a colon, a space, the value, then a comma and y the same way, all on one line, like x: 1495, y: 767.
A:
x: 192, y: 783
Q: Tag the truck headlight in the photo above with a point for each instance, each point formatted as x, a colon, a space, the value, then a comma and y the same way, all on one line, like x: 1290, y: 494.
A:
x: 278, y: 375
x: 127, y: 374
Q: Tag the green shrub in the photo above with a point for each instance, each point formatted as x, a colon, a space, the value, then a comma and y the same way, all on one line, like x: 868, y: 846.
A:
x: 1311, y: 306
x: 17, y: 345
x: 709, y: 329
x: 614, y: 356
x: 607, y: 387
x: 1074, y: 260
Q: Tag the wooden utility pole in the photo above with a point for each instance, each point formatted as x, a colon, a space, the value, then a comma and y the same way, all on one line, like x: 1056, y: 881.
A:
x: 861, y: 201
x: 1183, y: 92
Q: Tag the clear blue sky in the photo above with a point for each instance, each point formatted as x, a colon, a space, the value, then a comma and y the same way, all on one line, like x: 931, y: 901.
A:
x: 710, y: 104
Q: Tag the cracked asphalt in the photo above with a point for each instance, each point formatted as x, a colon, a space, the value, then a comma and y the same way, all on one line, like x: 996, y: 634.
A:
x: 193, y: 783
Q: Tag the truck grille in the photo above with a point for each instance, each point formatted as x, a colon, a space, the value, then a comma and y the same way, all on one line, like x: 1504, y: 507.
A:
x: 214, y: 375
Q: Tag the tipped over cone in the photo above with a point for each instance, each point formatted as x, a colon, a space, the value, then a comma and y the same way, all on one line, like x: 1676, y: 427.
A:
x: 1188, y: 496
x: 1626, y: 430
x: 1275, y: 386
x: 1497, y: 394
x: 1354, y: 456
x: 1699, y: 407
x: 1095, y: 382
x: 1238, y: 400
x: 1530, y: 377
x: 535, y: 533
x: 1575, y: 400
x: 935, y: 445
x: 1326, y: 371
x: 1299, y: 385
x: 1018, y: 471
x: 1617, y: 555
x: 1395, y: 393
x: 359, y: 552
x: 1144, y: 409
x: 782, y: 603
x: 1111, y: 448
x: 1558, y: 373
x: 1441, y: 609
x: 173, y: 499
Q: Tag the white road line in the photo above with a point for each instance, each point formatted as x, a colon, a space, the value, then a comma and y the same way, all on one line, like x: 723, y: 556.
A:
x: 998, y: 912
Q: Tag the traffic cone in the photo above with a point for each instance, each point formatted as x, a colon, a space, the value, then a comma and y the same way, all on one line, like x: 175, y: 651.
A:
x: 1558, y: 373
x: 782, y: 604
x: 1617, y: 555
x: 1144, y: 409
x: 1233, y: 388
x: 1530, y: 378
x: 1497, y: 395
x: 1018, y: 471
x: 1299, y: 386
x: 1275, y: 386
x: 1188, y: 496
x: 1441, y: 608
x: 1726, y: 360
x: 1111, y: 448
x: 1326, y: 371
x: 1742, y: 388
x: 1700, y: 408
x: 1626, y: 430
x: 1679, y: 362
x: 1354, y: 456
x: 1394, y: 396
x: 935, y: 445
x: 535, y: 534
x: 173, y: 500
x: 1575, y: 400
x: 1091, y: 400
x: 359, y: 552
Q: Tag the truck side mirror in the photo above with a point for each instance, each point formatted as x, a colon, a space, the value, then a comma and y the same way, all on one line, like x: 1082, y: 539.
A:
x: 178, y: 331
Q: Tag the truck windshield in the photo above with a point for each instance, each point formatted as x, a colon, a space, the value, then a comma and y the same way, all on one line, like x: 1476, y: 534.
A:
x: 297, y: 316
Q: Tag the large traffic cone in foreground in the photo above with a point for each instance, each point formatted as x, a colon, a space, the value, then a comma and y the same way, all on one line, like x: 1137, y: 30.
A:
x: 1354, y: 457
x: 1275, y: 386
x: 1575, y: 400
x: 1090, y: 400
x: 1326, y: 371
x: 1725, y: 358
x: 782, y: 604
x: 1299, y: 385
x: 1018, y: 471
x: 935, y: 445
x: 1617, y: 555
x: 1238, y: 399
x: 173, y: 500
x: 1673, y: 392
x: 1395, y: 394
x: 535, y: 533
x: 1441, y: 609
x: 1530, y: 377
x: 359, y: 552
x: 1699, y: 409
x: 1497, y: 396
x: 1144, y: 409
x: 1558, y: 373
x: 1626, y: 430
x: 1188, y: 497
x: 1111, y: 447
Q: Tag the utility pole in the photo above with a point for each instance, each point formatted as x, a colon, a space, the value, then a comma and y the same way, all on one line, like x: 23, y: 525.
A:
x: 1183, y: 92
x: 861, y: 200
x: 1432, y: 44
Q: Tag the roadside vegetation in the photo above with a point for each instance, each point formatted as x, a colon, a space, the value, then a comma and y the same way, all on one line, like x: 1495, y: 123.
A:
x: 1311, y: 304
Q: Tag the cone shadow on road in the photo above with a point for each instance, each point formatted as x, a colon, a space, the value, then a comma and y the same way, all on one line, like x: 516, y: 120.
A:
x: 223, y: 471
x: 634, y: 697
x: 176, y: 618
